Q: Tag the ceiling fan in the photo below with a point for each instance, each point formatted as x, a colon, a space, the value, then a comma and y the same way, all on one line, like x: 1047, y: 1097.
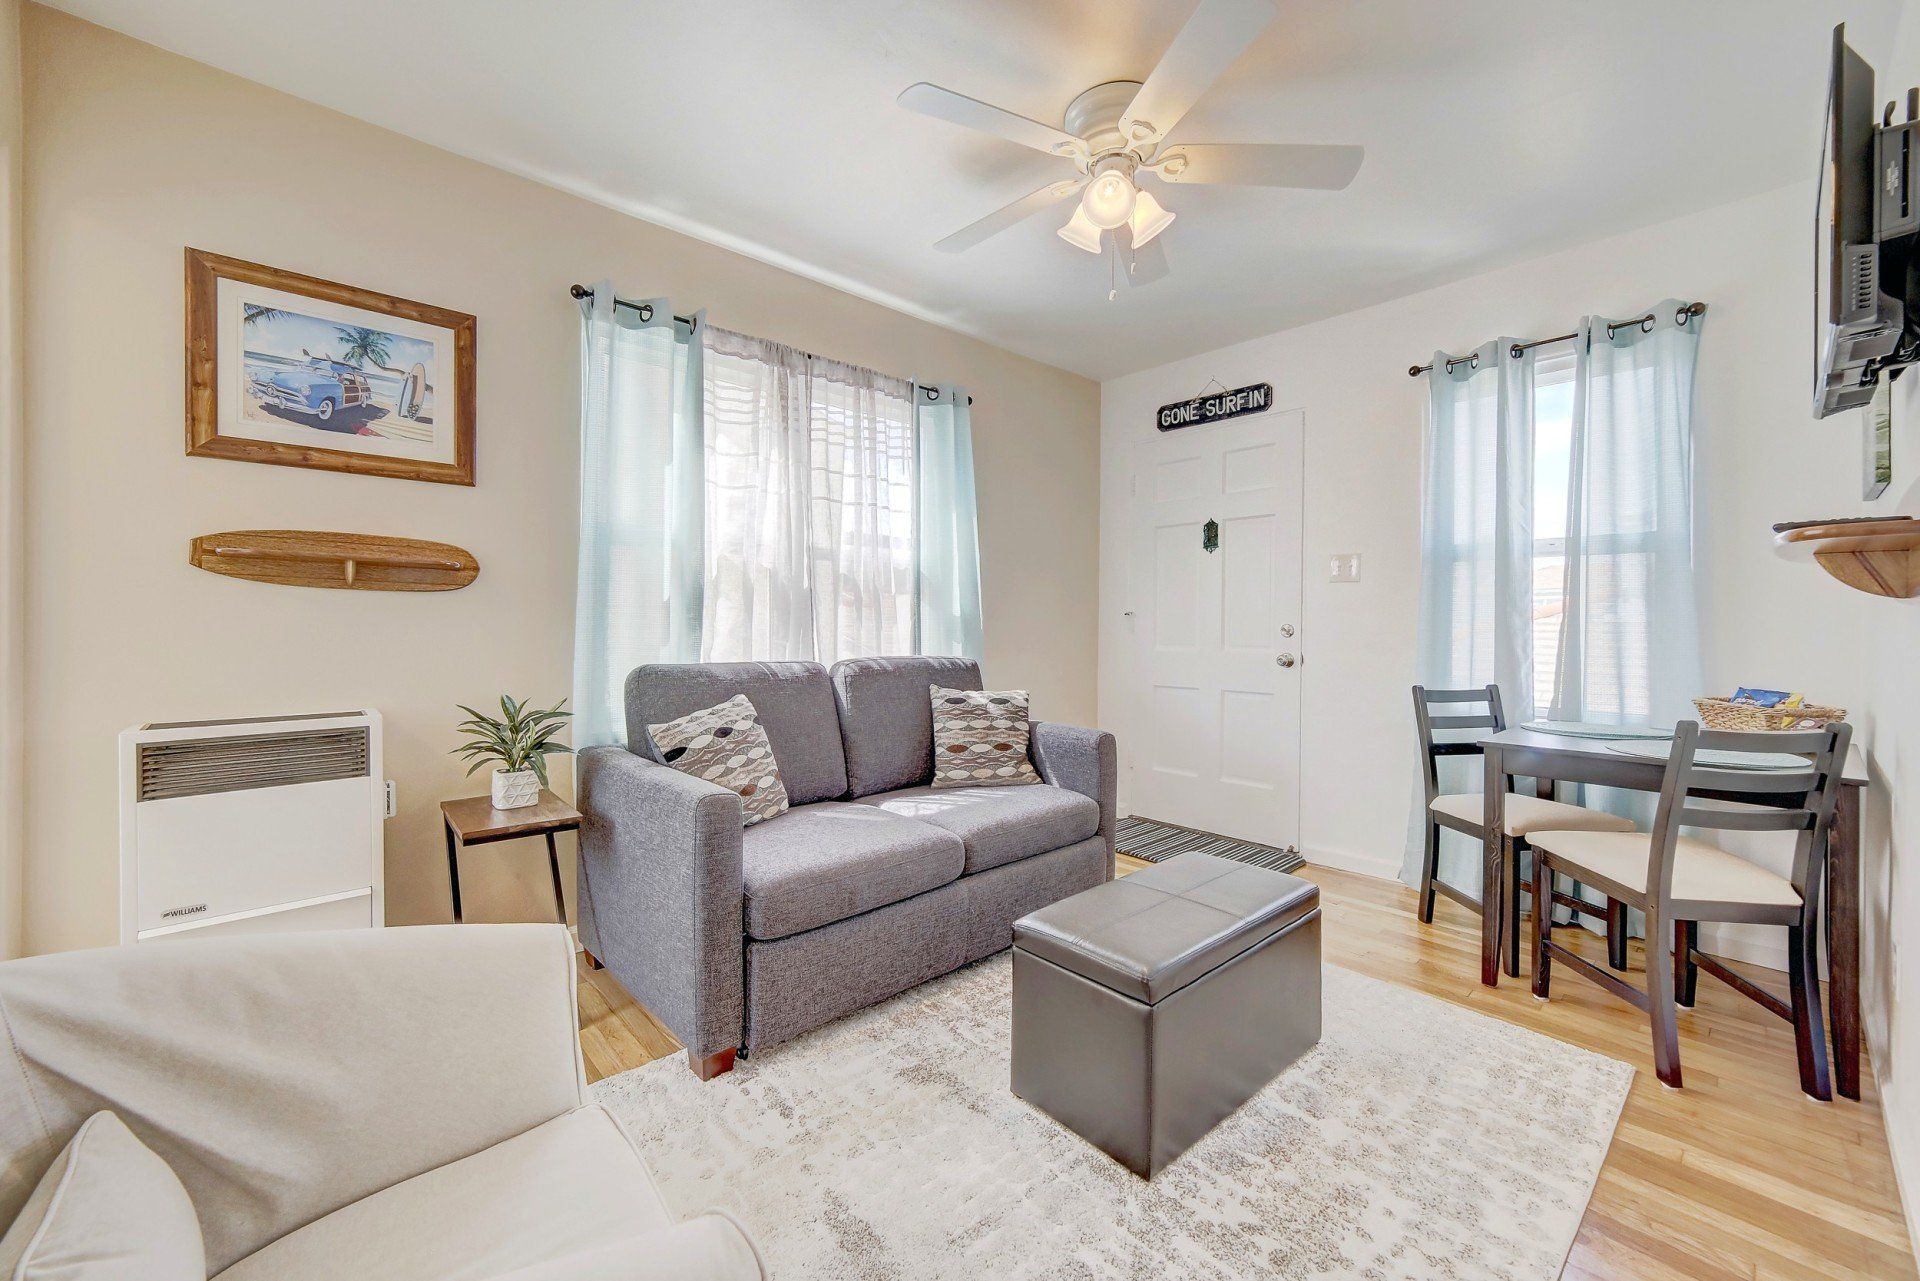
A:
x: 1117, y: 131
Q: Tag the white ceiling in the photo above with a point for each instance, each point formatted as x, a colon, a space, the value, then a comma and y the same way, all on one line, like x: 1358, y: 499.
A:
x: 1496, y: 130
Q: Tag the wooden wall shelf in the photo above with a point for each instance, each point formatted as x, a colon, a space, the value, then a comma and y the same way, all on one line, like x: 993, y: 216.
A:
x: 314, y: 558
x: 1880, y: 557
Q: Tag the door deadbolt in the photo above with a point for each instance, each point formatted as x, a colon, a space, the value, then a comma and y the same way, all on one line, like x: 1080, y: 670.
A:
x: 1286, y: 629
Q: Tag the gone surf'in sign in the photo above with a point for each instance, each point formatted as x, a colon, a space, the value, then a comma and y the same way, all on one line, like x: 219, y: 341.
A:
x: 1211, y: 409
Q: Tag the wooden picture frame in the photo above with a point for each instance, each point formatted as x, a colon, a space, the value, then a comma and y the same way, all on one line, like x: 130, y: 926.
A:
x: 388, y: 392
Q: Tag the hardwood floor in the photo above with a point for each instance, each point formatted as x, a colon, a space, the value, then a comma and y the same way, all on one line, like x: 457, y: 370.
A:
x: 1738, y: 1175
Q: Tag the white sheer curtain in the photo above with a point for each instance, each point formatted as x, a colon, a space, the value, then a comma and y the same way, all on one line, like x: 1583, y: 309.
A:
x: 810, y: 548
x: 1630, y: 645
x: 638, y: 597
x: 1476, y: 559
x: 861, y: 532
x: 758, y: 603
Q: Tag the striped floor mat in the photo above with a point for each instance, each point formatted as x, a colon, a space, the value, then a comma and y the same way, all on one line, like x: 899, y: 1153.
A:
x: 1155, y: 842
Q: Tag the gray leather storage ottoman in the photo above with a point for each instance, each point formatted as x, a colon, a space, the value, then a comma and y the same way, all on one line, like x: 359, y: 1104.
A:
x: 1147, y: 1009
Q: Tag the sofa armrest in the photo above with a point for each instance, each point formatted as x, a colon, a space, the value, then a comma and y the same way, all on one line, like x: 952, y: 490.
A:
x: 660, y: 875
x: 1084, y: 761
x: 283, y: 1076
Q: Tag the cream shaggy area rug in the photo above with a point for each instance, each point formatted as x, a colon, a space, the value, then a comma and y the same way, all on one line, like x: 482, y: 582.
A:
x: 1420, y: 1140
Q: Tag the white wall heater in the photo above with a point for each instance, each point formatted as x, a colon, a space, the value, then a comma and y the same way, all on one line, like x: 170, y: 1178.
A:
x: 251, y: 826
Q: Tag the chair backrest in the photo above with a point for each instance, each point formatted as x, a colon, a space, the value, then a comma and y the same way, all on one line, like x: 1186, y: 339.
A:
x: 1800, y: 800
x: 1428, y: 723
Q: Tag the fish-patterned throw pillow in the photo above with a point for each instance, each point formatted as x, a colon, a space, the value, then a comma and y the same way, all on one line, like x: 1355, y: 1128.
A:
x: 727, y: 745
x: 980, y: 738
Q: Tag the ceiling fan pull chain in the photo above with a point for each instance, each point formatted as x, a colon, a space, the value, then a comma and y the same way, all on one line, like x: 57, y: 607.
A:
x: 1113, y: 271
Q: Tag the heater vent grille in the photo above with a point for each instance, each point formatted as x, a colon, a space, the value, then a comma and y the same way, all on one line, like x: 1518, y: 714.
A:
x: 203, y: 766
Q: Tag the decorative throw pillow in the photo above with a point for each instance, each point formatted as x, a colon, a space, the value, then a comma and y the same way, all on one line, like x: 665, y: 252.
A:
x: 107, y: 1209
x: 980, y: 738
x: 726, y: 745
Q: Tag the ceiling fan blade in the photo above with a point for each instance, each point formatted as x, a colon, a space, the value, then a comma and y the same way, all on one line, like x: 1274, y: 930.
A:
x: 1216, y: 33
x: 1146, y: 264
x: 957, y: 108
x: 1260, y: 164
x: 1006, y: 216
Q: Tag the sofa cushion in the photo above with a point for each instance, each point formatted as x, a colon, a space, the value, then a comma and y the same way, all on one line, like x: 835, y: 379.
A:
x: 821, y: 863
x: 572, y: 1184
x: 794, y: 702
x: 980, y: 738
x: 107, y: 1209
x: 726, y: 745
x: 886, y: 719
x: 997, y: 825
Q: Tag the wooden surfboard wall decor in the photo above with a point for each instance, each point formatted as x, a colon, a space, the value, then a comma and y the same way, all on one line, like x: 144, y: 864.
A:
x: 352, y: 562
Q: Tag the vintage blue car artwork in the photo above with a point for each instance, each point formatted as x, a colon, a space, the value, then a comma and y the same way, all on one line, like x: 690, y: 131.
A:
x: 319, y: 389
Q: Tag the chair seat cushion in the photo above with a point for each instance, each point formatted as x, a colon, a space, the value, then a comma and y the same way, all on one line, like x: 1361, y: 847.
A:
x: 817, y: 864
x: 1702, y: 873
x: 1528, y: 814
x: 574, y: 1184
x: 998, y: 825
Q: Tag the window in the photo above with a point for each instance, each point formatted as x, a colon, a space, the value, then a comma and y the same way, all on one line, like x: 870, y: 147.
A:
x: 1552, y: 467
x: 809, y: 525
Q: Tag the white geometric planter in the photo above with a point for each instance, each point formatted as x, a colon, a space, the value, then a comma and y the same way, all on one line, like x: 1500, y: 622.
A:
x: 516, y: 790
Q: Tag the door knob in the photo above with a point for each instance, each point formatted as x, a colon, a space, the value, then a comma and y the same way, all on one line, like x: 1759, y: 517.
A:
x: 1285, y: 660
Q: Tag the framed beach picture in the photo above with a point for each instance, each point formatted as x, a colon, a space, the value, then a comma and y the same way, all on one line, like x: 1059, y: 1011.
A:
x: 300, y: 372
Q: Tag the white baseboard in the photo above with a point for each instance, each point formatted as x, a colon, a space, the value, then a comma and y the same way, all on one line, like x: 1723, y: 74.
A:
x: 1349, y: 861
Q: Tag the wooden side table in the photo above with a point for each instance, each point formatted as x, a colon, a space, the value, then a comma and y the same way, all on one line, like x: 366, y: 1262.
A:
x: 472, y: 820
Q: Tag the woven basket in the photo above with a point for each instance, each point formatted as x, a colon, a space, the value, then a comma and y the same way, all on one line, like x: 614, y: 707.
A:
x: 1720, y: 713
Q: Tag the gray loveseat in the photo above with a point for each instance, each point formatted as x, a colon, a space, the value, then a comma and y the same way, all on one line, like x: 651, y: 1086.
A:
x: 873, y: 882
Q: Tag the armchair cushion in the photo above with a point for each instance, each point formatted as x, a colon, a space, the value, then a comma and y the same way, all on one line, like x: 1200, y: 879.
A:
x: 817, y: 864
x: 107, y: 1210
x: 886, y: 717
x: 794, y: 701
x: 572, y: 1186
x: 283, y: 1076
x: 998, y: 825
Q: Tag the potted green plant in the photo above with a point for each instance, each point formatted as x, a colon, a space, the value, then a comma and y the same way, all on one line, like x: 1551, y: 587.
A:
x: 520, y: 739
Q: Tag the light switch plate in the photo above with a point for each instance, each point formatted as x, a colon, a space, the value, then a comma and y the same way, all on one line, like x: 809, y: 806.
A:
x: 1345, y: 568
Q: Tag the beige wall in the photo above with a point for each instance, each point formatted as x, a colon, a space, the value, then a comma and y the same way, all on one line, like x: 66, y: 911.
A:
x: 133, y: 154
x: 12, y: 489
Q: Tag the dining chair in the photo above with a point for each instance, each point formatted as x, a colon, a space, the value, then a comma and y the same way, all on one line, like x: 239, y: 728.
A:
x: 1679, y: 881
x: 1465, y: 812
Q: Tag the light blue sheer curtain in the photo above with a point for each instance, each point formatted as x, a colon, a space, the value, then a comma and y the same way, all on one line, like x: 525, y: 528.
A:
x: 1475, y: 624
x: 1630, y: 636
x: 1630, y: 648
x: 947, y: 523
x: 641, y: 568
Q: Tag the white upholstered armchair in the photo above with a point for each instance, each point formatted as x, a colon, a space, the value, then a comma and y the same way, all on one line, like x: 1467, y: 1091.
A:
x: 403, y: 1104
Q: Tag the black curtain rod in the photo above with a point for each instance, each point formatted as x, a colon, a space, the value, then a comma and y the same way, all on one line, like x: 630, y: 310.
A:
x: 644, y: 308
x: 1645, y: 322
x: 646, y: 313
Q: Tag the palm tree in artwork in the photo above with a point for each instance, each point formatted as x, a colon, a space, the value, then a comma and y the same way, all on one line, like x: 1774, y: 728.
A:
x: 253, y: 312
x: 366, y: 347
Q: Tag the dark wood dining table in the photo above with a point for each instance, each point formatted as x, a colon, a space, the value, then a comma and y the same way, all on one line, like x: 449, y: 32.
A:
x: 1565, y: 758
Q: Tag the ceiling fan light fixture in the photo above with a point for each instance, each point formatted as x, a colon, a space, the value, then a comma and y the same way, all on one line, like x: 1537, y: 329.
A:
x: 1080, y: 231
x: 1109, y: 199
x: 1148, y: 219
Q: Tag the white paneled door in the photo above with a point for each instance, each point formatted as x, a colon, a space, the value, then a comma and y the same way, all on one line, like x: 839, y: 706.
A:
x: 1213, y: 701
